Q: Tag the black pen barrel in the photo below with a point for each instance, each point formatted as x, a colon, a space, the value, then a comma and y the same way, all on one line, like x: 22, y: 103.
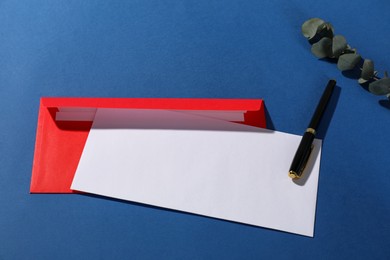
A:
x: 322, y: 105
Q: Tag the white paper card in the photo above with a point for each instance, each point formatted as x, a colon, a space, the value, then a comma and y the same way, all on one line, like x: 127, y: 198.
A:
x: 199, y: 165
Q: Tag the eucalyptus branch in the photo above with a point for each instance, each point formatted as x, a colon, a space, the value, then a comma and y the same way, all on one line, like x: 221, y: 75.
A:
x: 325, y: 44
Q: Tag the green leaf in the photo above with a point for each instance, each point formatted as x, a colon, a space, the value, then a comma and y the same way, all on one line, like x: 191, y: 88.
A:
x: 322, y: 48
x: 348, y: 61
x: 309, y: 28
x: 367, y: 71
x: 339, y: 45
x: 324, y: 30
x: 380, y: 87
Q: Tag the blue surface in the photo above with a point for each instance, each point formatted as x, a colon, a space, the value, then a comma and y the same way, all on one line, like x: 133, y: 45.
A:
x: 224, y: 49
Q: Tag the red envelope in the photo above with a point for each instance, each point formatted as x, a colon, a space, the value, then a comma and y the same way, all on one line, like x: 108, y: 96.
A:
x: 59, y: 143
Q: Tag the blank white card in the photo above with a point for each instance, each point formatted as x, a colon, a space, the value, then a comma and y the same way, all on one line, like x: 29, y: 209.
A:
x: 199, y: 165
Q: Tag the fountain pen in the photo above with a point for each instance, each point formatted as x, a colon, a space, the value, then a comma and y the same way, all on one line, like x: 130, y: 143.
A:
x: 306, y: 145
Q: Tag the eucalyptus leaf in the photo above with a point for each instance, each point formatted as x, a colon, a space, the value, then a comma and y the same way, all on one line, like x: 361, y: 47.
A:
x: 348, y: 61
x: 323, y: 30
x: 309, y: 28
x: 349, y: 49
x: 339, y: 45
x: 322, y: 48
x: 368, y: 69
x: 380, y: 87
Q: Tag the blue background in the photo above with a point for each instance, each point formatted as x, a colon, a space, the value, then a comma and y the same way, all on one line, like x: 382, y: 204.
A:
x: 181, y: 48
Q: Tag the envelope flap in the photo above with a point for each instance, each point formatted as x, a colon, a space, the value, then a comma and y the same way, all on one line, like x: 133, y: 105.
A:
x: 157, y: 103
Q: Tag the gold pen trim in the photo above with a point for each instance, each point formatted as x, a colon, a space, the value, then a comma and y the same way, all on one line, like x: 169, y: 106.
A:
x: 311, y: 130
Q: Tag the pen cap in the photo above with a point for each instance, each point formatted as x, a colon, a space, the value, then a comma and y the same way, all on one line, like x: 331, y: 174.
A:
x: 302, y: 155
